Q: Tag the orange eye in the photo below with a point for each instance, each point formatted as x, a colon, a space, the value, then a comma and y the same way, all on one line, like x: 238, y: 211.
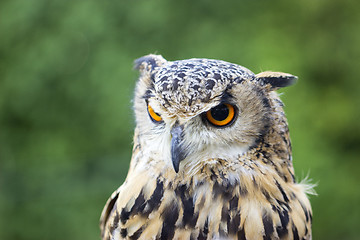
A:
x: 153, y: 115
x: 221, y: 115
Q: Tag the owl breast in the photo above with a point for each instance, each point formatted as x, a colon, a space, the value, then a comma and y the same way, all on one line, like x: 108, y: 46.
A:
x: 209, y: 206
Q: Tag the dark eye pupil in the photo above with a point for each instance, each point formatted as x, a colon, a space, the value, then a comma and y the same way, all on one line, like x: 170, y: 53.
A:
x: 220, y: 112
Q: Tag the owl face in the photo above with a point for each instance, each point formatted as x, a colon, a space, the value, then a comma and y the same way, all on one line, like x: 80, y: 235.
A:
x: 194, y: 110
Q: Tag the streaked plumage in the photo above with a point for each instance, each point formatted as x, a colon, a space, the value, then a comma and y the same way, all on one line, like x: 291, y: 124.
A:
x: 192, y: 179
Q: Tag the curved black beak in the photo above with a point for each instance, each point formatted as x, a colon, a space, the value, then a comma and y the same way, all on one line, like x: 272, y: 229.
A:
x: 177, y: 151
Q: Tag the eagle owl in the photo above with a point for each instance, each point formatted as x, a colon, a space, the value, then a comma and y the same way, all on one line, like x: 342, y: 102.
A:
x: 211, y: 157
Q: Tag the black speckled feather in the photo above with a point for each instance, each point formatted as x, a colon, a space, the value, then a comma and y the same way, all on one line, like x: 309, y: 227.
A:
x: 235, y: 182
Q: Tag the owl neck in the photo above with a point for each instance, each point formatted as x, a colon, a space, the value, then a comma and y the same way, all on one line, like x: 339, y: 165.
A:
x: 273, y: 148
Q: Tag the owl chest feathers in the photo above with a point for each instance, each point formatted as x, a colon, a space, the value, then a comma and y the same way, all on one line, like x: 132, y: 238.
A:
x: 212, y: 204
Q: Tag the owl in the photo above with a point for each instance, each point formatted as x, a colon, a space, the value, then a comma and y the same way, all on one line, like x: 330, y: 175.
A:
x: 211, y: 157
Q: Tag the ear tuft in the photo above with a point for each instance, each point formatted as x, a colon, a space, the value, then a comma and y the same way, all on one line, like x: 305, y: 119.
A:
x: 148, y: 62
x: 276, y: 79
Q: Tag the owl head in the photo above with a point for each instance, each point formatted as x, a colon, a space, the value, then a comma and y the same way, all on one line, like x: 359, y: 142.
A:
x: 195, y: 110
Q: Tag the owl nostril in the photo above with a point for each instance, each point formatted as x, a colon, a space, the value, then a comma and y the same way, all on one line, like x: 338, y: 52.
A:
x: 177, y: 130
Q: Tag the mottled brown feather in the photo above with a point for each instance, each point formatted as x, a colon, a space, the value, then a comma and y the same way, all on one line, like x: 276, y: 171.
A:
x: 251, y: 195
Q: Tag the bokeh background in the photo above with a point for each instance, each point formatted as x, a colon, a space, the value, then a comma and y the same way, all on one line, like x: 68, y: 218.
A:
x: 66, y: 83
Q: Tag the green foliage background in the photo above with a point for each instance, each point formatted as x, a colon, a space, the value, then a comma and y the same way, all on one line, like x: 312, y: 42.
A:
x: 66, y: 83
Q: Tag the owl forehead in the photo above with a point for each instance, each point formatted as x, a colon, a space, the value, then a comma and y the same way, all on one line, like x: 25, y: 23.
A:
x: 187, y: 85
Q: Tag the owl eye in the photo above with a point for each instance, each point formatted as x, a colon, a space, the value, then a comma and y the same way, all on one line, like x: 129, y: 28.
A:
x: 221, y: 115
x: 153, y: 115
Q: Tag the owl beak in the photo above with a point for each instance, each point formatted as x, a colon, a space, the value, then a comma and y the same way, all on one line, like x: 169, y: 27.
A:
x: 177, y: 151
